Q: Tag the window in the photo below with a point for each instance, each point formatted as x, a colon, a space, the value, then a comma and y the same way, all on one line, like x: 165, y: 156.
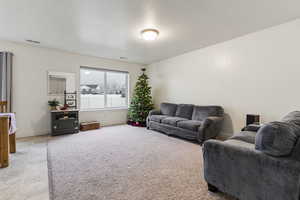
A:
x: 103, y: 89
x: 57, y: 85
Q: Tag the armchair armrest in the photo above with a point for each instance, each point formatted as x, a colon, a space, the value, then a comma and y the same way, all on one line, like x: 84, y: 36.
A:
x: 210, y: 128
x: 246, y: 151
x: 154, y: 112
x: 252, y: 172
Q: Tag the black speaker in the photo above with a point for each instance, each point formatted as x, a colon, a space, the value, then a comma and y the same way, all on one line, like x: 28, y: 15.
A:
x: 252, y: 119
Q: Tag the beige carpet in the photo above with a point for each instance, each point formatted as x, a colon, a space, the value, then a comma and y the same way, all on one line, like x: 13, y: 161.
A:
x: 125, y: 163
x: 26, y: 178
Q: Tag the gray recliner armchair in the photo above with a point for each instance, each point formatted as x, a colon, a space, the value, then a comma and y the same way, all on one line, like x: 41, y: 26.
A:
x: 262, y: 164
x: 187, y: 121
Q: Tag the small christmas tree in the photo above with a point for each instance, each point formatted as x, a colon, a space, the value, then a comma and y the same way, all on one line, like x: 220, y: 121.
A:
x: 141, y: 102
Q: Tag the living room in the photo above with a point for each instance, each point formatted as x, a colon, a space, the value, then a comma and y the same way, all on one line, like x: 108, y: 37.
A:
x: 149, y: 100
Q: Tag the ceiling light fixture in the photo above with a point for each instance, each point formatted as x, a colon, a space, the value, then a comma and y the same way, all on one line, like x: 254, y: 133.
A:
x: 149, y: 34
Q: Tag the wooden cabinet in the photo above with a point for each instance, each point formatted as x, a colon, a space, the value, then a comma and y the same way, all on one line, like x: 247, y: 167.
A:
x: 64, y: 122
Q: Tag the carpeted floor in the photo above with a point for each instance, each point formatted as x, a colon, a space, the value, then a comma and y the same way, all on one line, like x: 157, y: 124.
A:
x: 125, y: 163
x: 26, y: 178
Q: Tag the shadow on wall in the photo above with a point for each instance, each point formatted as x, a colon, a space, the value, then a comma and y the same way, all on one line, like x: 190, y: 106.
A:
x: 158, y: 93
x: 227, y: 130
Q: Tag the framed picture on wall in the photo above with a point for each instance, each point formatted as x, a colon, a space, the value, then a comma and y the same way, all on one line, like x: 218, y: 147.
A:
x: 71, y: 99
x: 70, y: 96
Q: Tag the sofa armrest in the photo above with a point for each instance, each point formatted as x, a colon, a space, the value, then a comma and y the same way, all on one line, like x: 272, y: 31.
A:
x: 235, y: 167
x: 154, y: 112
x: 210, y: 128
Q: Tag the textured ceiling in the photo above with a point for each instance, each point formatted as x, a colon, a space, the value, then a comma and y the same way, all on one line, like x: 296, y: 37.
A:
x: 111, y: 28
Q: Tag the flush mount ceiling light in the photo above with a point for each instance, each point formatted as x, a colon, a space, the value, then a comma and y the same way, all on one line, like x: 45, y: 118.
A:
x: 149, y: 34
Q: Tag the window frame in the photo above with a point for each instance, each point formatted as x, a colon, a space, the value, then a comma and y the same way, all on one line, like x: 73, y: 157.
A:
x: 105, y: 70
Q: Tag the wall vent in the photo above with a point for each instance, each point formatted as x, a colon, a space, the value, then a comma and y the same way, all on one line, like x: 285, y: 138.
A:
x: 33, y: 41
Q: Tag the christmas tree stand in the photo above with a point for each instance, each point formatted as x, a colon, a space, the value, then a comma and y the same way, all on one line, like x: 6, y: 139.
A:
x: 138, y: 124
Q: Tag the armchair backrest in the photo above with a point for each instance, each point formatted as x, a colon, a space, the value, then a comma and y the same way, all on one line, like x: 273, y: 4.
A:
x: 293, y: 118
x: 296, y: 151
x: 281, y: 138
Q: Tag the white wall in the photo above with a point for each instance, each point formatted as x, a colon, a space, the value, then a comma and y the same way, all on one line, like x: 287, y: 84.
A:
x: 258, y: 73
x: 30, y: 66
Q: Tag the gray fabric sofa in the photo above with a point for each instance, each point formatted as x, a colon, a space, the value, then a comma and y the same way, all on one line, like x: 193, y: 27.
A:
x: 262, y: 164
x: 186, y: 120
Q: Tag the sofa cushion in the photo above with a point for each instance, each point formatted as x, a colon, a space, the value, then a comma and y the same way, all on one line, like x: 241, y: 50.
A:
x: 246, y: 136
x: 276, y: 138
x: 168, y: 109
x: 157, y: 118
x: 192, y: 125
x: 202, y: 112
x: 184, y: 111
x: 172, y: 120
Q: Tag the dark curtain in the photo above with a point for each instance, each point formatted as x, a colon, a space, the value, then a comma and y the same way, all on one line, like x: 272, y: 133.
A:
x: 6, y: 78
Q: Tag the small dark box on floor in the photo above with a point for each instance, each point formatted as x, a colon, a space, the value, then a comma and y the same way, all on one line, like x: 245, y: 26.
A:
x: 86, y: 126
